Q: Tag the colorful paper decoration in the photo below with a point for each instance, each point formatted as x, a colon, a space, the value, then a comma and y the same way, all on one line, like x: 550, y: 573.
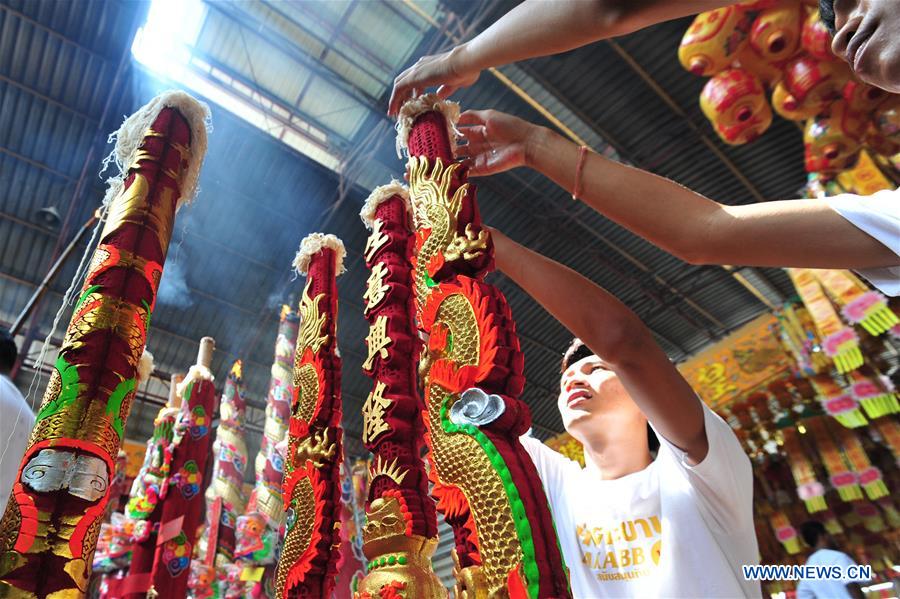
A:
x: 49, y: 531
x: 840, y: 342
x: 809, y: 489
x: 869, y: 477
x: 838, y: 402
x: 799, y: 336
x: 842, y: 478
x: 225, y: 498
x: 870, y: 516
x: 876, y: 395
x: 741, y: 362
x: 785, y: 533
x: 889, y: 429
x: 260, y: 527
x: 859, y: 304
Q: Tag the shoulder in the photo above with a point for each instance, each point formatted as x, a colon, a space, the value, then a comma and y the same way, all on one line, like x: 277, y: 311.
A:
x: 833, y: 556
x: 9, y: 393
x: 11, y: 397
x: 880, y: 200
x: 878, y: 215
x: 724, y: 447
x: 551, y: 465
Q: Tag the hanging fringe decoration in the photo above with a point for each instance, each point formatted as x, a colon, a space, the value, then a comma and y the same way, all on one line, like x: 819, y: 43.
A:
x: 799, y: 336
x: 868, y: 475
x: 840, y: 342
x: 890, y: 512
x: 870, y: 516
x: 876, y: 396
x: 859, y: 304
x: 785, y: 533
x: 842, y: 478
x: 831, y: 523
x: 889, y: 429
x: 809, y: 489
x: 839, y: 404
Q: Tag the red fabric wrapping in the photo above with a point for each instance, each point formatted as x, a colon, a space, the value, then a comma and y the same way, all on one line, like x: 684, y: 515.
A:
x: 403, y: 438
x: 428, y: 137
x: 139, y: 578
x: 185, y: 501
x: 89, y: 397
x: 160, y: 562
x: 502, y: 376
x: 309, y: 560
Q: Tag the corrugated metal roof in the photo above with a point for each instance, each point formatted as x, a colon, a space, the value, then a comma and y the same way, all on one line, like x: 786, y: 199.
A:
x: 332, y: 64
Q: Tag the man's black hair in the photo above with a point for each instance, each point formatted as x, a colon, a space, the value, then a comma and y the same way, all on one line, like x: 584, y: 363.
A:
x: 812, y: 531
x: 826, y: 13
x: 578, y: 351
x: 8, y: 351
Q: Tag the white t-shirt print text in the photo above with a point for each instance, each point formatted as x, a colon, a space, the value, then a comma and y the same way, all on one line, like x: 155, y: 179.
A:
x: 621, y: 550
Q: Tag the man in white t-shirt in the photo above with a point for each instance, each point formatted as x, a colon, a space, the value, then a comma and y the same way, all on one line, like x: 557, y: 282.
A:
x: 16, y: 419
x: 629, y: 525
x: 825, y: 553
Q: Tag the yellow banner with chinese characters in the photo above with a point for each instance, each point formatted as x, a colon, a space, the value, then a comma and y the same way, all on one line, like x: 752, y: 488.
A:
x: 747, y: 358
x: 135, y: 452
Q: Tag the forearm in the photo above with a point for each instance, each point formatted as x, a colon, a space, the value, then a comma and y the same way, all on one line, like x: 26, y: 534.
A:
x: 668, y: 215
x: 534, y: 28
x: 544, y: 27
x: 616, y: 334
x: 600, y: 320
x: 786, y: 233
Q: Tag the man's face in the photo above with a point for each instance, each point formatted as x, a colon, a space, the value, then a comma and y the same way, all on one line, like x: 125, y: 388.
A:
x: 591, y: 395
x: 868, y: 38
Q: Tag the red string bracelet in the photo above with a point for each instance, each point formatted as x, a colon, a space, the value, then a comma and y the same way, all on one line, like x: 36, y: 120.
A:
x: 582, y: 154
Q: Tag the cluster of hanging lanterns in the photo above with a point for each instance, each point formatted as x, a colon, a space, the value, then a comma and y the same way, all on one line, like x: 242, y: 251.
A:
x: 776, y: 54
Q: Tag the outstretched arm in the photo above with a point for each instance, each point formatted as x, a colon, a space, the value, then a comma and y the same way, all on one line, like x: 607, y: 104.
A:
x: 698, y: 230
x: 538, y: 28
x: 615, y: 334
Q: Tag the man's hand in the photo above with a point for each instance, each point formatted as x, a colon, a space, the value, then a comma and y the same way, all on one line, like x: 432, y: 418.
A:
x: 496, y: 141
x: 536, y: 28
x: 448, y: 72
